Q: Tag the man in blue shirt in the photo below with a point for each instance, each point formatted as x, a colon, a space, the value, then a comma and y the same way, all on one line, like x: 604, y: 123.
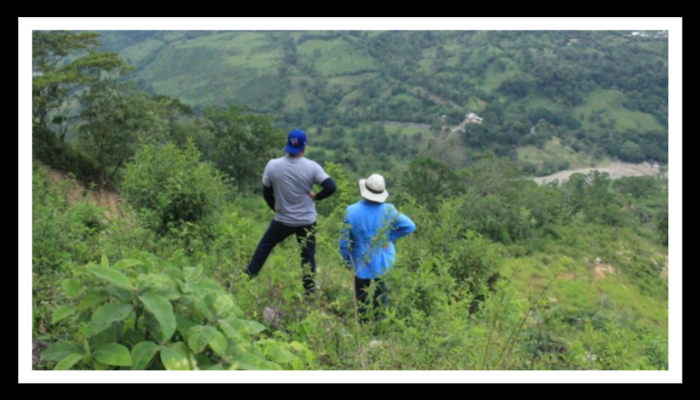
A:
x: 367, y: 240
x: 287, y: 188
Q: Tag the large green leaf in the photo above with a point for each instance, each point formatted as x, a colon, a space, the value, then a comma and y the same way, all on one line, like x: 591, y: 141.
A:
x: 174, y: 360
x: 127, y: 263
x: 183, y: 325
x: 161, y: 308
x: 134, y: 335
x: 269, y: 365
x: 205, y: 286
x: 234, y: 329
x: 71, y: 287
x: 184, y: 287
x: 297, y: 346
x: 68, y: 362
x: 250, y: 361
x: 104, y: 262
x: 110, y: 313
x: 113, y: 354
x: 236, y: 311
x: 253, y: 327
x: 160, y: 284
x: 59, y: 351
x: 198, y: 337
x: 98, y: 366
x: 112, y: 276
x: 62, y: 312
x: 173, y: 272
x: 190, y: 273
x: 247, y: 361
x: 91, y: 300
x: 205, y: 306
x: 118, y: 293
x: 100, y: 335
x: 183, y: 349
x: 142, y: 354
x: 279, y: 355
x: 219, y: 344
x: 223, y: 304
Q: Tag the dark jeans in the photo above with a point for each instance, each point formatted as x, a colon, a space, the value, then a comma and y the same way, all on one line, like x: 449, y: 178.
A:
x: 362, y: 293
x: 274, y: 235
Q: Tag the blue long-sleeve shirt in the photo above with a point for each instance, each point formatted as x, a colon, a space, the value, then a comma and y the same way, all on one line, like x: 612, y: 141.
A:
x: 368, y: 235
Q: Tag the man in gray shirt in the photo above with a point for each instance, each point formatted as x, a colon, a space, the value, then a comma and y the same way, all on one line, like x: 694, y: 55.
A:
x: 287, y: 188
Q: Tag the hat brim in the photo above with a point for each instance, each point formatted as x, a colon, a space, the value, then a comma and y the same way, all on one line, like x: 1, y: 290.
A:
x: 293, y: 150
x: 377, y: 197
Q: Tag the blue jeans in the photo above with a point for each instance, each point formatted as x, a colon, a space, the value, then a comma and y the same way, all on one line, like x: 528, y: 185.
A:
x: 275, y: 234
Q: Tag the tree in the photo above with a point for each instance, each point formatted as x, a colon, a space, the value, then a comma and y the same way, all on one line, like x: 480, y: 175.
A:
x: 64, y: 62
x: 493, y: 205
x: 593, y: 195
x: 636, y: 186
x: 114, y: 119
x: 61, y: 61
x: 243, y: 143
x: 429, y: 180
x: 631, y: 151
x: 172, y: 188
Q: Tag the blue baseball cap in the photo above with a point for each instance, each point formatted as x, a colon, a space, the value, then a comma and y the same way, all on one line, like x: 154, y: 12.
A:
x: 296, y: 140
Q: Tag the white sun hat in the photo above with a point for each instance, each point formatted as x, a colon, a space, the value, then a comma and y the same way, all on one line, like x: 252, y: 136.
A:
x: 374, y: 188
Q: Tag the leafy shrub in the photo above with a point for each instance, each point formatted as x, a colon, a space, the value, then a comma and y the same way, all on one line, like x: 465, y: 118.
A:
x: 127, y: 313
x: 62, y: 232
x: 172, y: 188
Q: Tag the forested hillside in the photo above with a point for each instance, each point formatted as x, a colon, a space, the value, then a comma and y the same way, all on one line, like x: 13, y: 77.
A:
x: 596, y: 94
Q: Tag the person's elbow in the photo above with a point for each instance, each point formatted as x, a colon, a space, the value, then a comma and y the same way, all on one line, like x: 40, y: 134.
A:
x: 410, y: 228
x: 269, y: 196
x: 407, y: 227
x: 330, y: 186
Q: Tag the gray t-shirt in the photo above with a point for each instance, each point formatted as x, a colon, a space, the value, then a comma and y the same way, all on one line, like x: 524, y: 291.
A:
x: 291, y: 179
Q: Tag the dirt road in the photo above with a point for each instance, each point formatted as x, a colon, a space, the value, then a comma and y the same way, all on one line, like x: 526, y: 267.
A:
x: 616, y: 170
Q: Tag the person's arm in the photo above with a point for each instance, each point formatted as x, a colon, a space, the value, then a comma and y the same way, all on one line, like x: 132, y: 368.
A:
x: 346, y: 240
x: 401, y: 226
x: 269, y: 196
x: 268, y: 193
x: 329, y: 188
x: 320, y: 177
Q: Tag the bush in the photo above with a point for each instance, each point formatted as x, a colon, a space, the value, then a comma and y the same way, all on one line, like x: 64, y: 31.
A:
x: 172, y: 189
x: 127, y: 313
x: 62, y: 156
x: 62, y: 232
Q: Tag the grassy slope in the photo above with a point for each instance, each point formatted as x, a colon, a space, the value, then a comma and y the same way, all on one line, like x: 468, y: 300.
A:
x: 554, y: 151
x: 336, y: 56
x: 586, y: 288
x: 612, y: 101
x: 242, y: 67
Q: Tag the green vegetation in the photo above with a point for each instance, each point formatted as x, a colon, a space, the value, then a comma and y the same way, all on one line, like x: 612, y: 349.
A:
x: 554, y: 157
x: 500, y: 274
x: 596, y: 85
x: 555, y: 302
x: 606, y: 107
x: 337, y: 57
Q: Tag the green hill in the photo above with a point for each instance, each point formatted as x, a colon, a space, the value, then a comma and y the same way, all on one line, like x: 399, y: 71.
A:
x: 600, y: 88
